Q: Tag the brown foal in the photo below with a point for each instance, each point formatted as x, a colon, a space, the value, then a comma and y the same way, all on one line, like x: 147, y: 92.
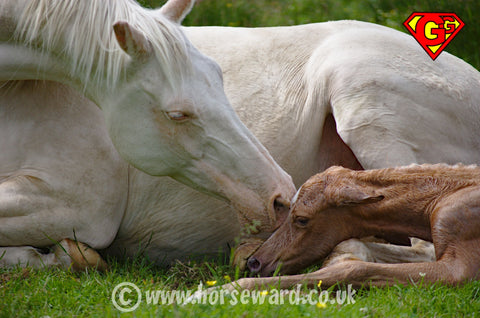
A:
x: 437, y: 203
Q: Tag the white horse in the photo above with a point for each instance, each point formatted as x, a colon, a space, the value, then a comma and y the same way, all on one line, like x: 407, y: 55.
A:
x: 163, y: 109
x: 346, y: 92
x: 350, y: 93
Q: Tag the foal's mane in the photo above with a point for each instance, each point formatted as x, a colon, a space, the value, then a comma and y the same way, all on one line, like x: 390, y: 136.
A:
x: 82, y: 30
x: 447, y: 175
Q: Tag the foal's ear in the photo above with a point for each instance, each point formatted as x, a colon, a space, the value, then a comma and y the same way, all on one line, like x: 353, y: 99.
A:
x: 132, y: 41
x: 348, y: 195
x: 177, y: 10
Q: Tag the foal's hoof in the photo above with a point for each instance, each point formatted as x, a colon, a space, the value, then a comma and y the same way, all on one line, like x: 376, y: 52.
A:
x: 78, y: 256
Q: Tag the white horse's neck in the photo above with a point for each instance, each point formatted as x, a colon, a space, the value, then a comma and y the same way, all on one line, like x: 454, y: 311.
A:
x: 18, y: 62
x: 8, y: 11
x: 30, y: 48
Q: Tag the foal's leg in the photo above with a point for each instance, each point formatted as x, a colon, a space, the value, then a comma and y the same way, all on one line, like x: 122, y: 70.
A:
x: 67, y: 254
x: 360, y: 273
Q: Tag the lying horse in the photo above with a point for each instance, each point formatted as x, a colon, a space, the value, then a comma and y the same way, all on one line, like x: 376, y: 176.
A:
x: 438, y: 203
x: 336, y: 93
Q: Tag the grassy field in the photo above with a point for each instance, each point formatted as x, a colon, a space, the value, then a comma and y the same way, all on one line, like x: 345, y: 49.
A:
x: 56, y: 293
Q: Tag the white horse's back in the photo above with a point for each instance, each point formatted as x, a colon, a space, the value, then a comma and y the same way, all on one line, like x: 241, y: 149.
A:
x: 390, y: 98
x: 392, y: 104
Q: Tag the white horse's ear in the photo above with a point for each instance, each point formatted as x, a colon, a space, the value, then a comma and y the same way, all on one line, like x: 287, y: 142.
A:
x: 132, y: 41
x: 177, y: 10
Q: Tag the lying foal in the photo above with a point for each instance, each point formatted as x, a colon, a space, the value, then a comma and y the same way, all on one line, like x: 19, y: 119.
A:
x: 438, y: 203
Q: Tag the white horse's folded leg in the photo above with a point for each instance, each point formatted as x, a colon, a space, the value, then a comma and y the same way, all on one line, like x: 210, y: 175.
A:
x: 371, y: 251
x: 26, y: 256
x: 66, y: 254
x: 349, y: 250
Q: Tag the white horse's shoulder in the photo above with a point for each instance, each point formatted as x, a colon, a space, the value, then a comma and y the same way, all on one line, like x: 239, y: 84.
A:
x: 58, y: 167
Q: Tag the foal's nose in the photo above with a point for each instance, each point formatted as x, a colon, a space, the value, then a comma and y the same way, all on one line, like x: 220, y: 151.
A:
x: 254, y: 265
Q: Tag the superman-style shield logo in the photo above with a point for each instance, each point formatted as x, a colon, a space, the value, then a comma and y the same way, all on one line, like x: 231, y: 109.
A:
x: 433, y: 30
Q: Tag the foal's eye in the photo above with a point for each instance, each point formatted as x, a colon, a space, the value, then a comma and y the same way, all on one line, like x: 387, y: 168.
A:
x: 301, y: 221
x: 177, y: 115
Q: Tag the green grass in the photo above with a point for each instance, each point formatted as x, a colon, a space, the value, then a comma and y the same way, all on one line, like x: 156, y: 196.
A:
x: 57, y: 293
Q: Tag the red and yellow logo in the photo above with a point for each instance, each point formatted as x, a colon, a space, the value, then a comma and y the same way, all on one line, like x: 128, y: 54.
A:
x: 433, y: 31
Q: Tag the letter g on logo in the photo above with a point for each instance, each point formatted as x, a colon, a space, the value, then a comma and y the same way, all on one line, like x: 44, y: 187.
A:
x: 433, y: 31
x: 124, y: 295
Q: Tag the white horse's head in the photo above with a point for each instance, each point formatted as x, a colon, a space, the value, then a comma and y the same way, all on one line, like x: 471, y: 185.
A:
x: 175, y: 120
x: 163, y: 100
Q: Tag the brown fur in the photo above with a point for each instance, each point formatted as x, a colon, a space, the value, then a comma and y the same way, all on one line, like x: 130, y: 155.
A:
x: 438, y: 203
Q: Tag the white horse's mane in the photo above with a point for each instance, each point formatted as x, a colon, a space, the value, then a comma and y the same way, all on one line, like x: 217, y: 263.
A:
x: 83, y: 31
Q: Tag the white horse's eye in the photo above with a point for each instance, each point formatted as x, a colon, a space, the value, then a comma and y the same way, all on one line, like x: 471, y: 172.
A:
x: 177, y: 115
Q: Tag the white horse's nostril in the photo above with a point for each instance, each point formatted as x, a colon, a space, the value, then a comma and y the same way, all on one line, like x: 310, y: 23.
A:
x: 281, y: 208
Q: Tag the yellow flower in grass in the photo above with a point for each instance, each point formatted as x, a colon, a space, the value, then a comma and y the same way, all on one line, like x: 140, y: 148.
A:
x: 211, y: 283
x: 264, y: 293
x: 319, y: 283
x: 321, y: 305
